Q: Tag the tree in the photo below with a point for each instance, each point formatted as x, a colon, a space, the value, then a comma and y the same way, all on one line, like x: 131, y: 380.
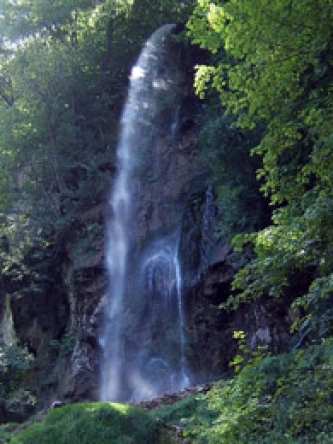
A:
x: 59, y: 122
x: 278, y: 72
x: 65, y: 68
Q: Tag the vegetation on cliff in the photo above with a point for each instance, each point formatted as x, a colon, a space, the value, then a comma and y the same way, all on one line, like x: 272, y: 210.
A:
x: 64, y: 75
x: 273, y: 399
x: 272, y: 68
x: 267, y: 141
x: 63, y: 81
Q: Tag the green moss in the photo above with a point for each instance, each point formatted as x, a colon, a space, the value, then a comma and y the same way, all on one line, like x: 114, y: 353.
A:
x: 92, y: 423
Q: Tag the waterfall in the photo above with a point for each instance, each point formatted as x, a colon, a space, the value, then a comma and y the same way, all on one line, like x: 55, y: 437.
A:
x: 7, y: 331
x: 134, y: 363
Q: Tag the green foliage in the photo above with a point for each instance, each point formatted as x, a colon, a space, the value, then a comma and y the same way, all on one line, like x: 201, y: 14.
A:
x: 245, y: 356
x: 59, y: 118
x: 273, y: 399
x: 91, y: 423
x: 317, y: 305
x: 180, y: 412
x: 26, y: 18
x: 190, y: 414
x: 225, y: 153
x: 6, y: 432
x: 15, y: 362
x: 272, y: 68
x: 56, y: 150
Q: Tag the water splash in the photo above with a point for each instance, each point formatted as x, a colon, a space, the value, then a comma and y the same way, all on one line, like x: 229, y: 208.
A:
x: 163, y: 358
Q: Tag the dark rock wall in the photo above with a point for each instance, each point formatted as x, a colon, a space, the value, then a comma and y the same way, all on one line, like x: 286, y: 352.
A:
x: 209, y: 265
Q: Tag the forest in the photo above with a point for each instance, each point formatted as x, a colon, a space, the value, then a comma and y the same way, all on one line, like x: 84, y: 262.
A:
x: 261, y: 73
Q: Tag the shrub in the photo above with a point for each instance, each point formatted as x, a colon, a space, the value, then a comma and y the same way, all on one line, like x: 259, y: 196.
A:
x: 92, y: 423
x: 284, y: 399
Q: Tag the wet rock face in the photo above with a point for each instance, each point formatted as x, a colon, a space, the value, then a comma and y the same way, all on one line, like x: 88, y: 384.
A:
x: 61, y: 327
x: 161, y: 204
x: 166, y: 185
x: 209, y: 265
x: 58, y: 325
x: 77, y: 369
x: 210, y: 329
x: 39, y: 317
x: 39, y: 321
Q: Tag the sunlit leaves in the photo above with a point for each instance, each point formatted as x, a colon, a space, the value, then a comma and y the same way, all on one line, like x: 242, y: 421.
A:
x: 199, y: 26
x: 273, y: 66
x: 281, y: 399
x: 204, y: 76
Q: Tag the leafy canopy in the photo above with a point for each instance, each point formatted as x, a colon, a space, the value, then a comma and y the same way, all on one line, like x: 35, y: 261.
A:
x: 272, y: 66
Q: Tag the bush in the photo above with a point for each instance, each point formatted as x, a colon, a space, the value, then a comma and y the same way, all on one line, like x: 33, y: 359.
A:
x: 182, y: 409
x: 6, y: 431
x: 285, y: 399
x: 92, y: 423
x: 15, y: 362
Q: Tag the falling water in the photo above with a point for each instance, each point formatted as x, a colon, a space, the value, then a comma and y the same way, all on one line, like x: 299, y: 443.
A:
x: 163, y: 362
x: 184, y: 379
x: 7, y: 332
x: 138, y: 370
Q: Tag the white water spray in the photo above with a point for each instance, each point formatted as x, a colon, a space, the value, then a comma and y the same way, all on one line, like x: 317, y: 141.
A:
x: 164, y: 364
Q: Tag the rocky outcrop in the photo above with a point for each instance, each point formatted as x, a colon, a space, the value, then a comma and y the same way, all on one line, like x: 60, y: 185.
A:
x: 265, y: 322
x: 78, y: 368
x: 209, y: 264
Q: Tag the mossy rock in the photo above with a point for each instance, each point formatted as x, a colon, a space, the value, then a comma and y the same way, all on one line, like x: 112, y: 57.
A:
x: 95, y: 423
